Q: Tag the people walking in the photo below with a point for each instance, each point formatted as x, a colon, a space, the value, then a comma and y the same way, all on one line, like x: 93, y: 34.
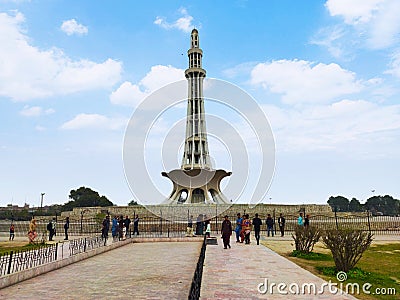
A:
x: 12, y: 232
x: 300, y: 220
x: 66, y: 227
x: 189, y: 228
x: 136, y: 225
x: 208, y: 228
x: 238, y: 228
x: 257, y: 228
x: 105, y: 228
x: 121, y: 227
x: 270, y: 224
x: 307, y: 221
x: 199, y: 225
x: 32, y: 234
x: 127, y: 223
x: 114, y: 228
x: 50, y: 229
x: 281, y: 223
x: 246, y: 228
x: 226, y: 231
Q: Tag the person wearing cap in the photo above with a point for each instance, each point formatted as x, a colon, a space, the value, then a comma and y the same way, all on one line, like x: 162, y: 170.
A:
x: 226, y: 231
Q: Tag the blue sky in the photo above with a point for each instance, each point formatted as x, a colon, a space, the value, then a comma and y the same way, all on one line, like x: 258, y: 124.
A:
x: 326, y: 74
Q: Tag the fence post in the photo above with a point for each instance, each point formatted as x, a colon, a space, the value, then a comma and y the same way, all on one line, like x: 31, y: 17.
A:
x: 84, y: 247
x: 168, y: 231
x: 336, y: 221
x: 160, y: 222
x: 216, y: 224
x: 55, y: 258
x: 9, y: 262
x: 369, y: 223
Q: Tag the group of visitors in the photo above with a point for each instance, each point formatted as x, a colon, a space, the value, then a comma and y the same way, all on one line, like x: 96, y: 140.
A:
x: 52, y: 228
x: 203, y: 226
x: 303, y: 221
x: 244, y: 226
x: 120, y: 227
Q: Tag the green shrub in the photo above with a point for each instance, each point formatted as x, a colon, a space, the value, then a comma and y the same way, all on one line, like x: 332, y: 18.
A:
x: 305, y: 238
x: 347, y: 246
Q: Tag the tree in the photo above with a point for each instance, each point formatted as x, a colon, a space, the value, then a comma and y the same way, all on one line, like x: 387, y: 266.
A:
x: 347, y: 246
x: 383, y: 204
x: 339, y: 202
x: 86, y: 197
x: 305, y: 238
x: 132, y: 203
x: 355, y: 205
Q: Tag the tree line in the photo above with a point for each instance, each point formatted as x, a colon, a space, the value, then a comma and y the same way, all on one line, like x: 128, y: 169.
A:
x: 377, y: 205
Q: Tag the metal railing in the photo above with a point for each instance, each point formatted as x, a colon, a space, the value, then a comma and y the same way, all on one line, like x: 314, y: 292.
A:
x: 85, y: 244
x: 155, y: 226
x: 15, y: 261
x: 195, y: 287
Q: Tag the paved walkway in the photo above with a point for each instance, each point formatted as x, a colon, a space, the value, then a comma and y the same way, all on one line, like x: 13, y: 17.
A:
x: 164, y: 270
x: 237, y: 273
x: 137, y: 271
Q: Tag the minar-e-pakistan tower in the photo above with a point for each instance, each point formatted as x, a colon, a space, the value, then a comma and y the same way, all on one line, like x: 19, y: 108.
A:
x: 196, y: 181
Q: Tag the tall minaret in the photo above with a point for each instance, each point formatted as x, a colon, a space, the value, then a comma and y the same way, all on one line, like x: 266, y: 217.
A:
x: 196, y: 182
x: 195, y: 155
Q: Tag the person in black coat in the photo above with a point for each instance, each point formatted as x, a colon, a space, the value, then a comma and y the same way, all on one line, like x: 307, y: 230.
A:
x: 281, y: 223
x: 270, y: 225
x: 66, y: 227
x: 257, y: 228
x: 226, y: 231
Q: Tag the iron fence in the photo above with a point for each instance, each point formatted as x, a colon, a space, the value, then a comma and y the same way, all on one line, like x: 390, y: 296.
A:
x: 85, y: 244
x: 151, y: 225
x: 77, y: 227
x: 195, y: 287
x: 15, y: 261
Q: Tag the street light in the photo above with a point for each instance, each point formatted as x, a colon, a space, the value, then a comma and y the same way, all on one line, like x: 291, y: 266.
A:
x: 41, y: 201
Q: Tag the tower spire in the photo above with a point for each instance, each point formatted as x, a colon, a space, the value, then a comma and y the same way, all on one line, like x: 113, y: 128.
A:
x: 196, y: 181
x: 195, y: 155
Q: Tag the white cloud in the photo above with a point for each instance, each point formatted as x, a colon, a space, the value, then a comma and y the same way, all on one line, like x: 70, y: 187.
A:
x: 378, y: 21
x: 35, y: 111
x: 132, y: 94
x: 301, y: 81
x: 331, y: 38
x: 40, y: 128
x: 27, y: 72
x: 354, y: 126
x: 94, y: 121
x: 71, y: 27
x: 353, y: 11
x: 184, y: 23
x: 395, y: 65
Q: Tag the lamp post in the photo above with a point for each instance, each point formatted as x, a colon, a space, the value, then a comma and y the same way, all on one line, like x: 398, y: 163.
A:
x: 41, y: 201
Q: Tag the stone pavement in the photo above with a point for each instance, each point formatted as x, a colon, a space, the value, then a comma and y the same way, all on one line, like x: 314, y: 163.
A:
x: 161, y: 270
x: 237, y: 273
x: 164, y: 270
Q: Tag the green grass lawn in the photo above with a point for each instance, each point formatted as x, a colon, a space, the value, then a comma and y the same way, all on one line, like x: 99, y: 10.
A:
x: 379, y: 267
x: 6, y: 249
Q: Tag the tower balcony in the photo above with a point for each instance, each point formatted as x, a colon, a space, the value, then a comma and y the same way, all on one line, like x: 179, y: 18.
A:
x: 192, y: 72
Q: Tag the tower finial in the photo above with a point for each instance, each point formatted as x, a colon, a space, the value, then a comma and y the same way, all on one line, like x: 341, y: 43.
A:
x: 195, y: 42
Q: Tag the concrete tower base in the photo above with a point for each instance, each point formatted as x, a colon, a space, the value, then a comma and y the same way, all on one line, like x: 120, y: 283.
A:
x: 196, y: 186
